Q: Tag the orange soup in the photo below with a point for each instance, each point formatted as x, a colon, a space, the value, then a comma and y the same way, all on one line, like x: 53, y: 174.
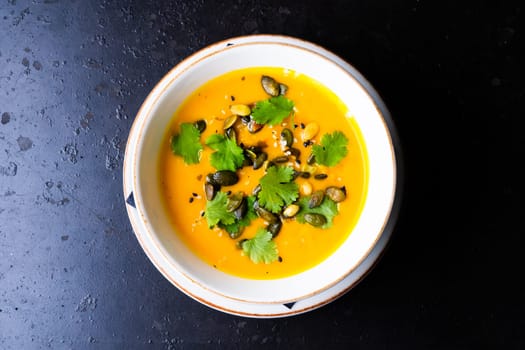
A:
x: 264, y: 172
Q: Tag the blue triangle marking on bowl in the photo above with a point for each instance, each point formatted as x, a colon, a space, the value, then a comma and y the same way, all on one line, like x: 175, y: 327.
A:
x: 289, y: 305
x: 131, y: 200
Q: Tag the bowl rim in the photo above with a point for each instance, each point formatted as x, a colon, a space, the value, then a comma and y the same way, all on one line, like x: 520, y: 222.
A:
x: 156, y: 93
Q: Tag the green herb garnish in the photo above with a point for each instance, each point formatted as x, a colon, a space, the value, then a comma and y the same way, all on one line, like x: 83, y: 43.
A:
x: 331, y: 150
x: 277, y: 188
x: 187, y: 143
x: 327, y: 208
x: 273, y: 110
x: 261, y: 248
x: 228, y: 155
x: 216, y: 212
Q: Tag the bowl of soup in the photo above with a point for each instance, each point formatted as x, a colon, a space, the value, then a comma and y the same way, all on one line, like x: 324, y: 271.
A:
x: 262, y: 171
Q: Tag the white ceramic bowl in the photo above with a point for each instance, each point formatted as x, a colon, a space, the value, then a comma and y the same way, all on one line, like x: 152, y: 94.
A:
x: 149, y: 219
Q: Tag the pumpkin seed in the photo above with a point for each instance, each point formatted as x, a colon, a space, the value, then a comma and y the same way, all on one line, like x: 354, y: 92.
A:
x: 270, y: 86
x: 286, y: 137
x: 257, y: 189
x: 274, y: 228
x: 336, y: 194
x: 234, y: 201
x: 241, y: 110
x: 245, y: 120
x: 290, y: 211
x: 210, y: 179
x: 292, y: 152
x: 254, y: 127
x: 311, y: 159
x: 247, y: 161
x: 200, y: 125
x: 259, y: 161
x: 241, y: 211
x: 266, y: 215
x: 228, y: 122
x: 255, y: 149
x: 283, y: 89
x: 250, y: 154
x: 305, y: 175
x: 316, y: 199
x: 235, y: 235
x: 224, y: 178
x: 280, y: 160
x: 315, y: 219
x: 231, y: 134
x: 309, y: 132
x: 210, y: 190
x: 320, y: 176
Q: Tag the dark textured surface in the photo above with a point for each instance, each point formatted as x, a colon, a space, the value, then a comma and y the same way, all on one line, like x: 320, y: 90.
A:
x: 74, y: 73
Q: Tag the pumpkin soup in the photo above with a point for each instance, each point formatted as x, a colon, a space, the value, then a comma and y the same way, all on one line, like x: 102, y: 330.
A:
x: 264, y: 172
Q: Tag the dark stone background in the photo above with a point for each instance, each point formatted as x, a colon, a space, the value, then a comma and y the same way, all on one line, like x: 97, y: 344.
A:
x: 74, y: 73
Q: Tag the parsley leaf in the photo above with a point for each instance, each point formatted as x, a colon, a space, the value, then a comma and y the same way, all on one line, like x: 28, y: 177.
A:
x: 261, y: 248
x: 328, y: 209
x: 273, y: 110
x: 277, y: 188
x: 235, y: 229
x: 332, y: 149
x: 229, y: 156
x: 187, y: 143
x: 216, y: 212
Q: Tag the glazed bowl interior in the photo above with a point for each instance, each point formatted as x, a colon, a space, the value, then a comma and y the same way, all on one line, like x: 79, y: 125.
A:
x: 172, y: 255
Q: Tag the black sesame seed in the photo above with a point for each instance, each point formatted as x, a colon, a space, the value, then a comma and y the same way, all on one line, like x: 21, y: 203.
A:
x: 280, y: 259
x: 191, y: 199
x: 232, y: 98
x: 303, y: 126
x: 194, y: 194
